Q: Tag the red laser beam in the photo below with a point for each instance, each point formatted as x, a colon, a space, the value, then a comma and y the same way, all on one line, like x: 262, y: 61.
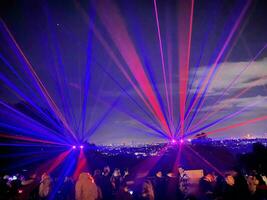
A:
x: 81, y: 166
x: 115, y: 59
x: 162, y: 58
x: 221, y: 106
x: 119, y: 34
x: 226, y: 43
x: 244, y: 123
x: 23, y: 138
x: 206, y: 161
x: 57, y: 161
x: 43, y: 89
x: 230, y: 85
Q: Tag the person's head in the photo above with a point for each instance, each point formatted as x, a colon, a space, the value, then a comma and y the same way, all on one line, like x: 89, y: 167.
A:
x: 147, y: 189
x: 6, y: 177
x: 124, y: 187
x: 97, y: 172
x: 85, y: 177
x: 229, y: 179
x: 159, y: 174
x: 252, y: 183
x: 33, y: 176
x: 44, y: 175
x: 116, y: 172
x: 180, y: 170
x: 171, y: 175
x: 106, y: 170
x: 209, y: 178
x: 126, y: 172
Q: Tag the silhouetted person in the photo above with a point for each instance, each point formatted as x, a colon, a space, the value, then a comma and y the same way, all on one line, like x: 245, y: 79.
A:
x: 105, y: 184
x: 172, y: 187
x: 68, y: 189
x: 124, y: 193
x: 159, y: 186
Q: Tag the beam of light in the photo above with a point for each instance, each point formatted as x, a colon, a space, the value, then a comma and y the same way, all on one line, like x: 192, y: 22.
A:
x: 139, y: 120
x: 11, y: 129
x: 207, y: 162
x: 185, y: 14
x: 127, y: 93
x: 223, y: 105
x: 144, y: 168
x: 224, y: 118
x: 147, y: 66
x: 105, y: 115
x: 18, y: 93
x: 213, y: 69
x: 119, y: 34
x: 20, y: 144
x: 177, y: 160
x: 145, y: 123
x: 33, y: 159
x: 162, y: 58
x: 50, y: 165
x: 29, y: 139
x: 25, y: 120
x: 179, y: 153
x: 87, y: 73
x: 244, y: 123
x: 39, y: 83
x: 230, y: 85
x: 44, y: 115
x: 68, y: 166
x: 30, y: 132
x: 60, y: 70
x: 210, y: 27
x: 41, y: 152
x: 239, y: 34
x: 81, y: 165
x: 204, y: 118
x: 57, y: 161
x: 170, y: 67
x: 112, y: 55
x: 158, y: 95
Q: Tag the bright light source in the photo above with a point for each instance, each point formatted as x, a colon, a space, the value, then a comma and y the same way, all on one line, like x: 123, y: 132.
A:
x: 73, y: 147
x: 189, y: 140
x: 81, y: 147
x: 173, y: 141
x: 181, y: 141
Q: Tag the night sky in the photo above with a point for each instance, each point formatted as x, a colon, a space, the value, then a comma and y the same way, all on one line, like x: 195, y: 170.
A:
x: 81, y: 51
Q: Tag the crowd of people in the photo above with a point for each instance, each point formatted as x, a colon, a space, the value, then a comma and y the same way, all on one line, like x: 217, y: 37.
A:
x: 104, y: 185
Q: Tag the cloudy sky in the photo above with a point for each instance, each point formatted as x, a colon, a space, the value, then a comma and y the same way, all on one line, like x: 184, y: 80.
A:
x: 83, y: 49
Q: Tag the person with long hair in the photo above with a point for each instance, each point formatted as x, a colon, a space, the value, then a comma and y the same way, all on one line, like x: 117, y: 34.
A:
x: 45, y: 187
x: 85, y: 188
